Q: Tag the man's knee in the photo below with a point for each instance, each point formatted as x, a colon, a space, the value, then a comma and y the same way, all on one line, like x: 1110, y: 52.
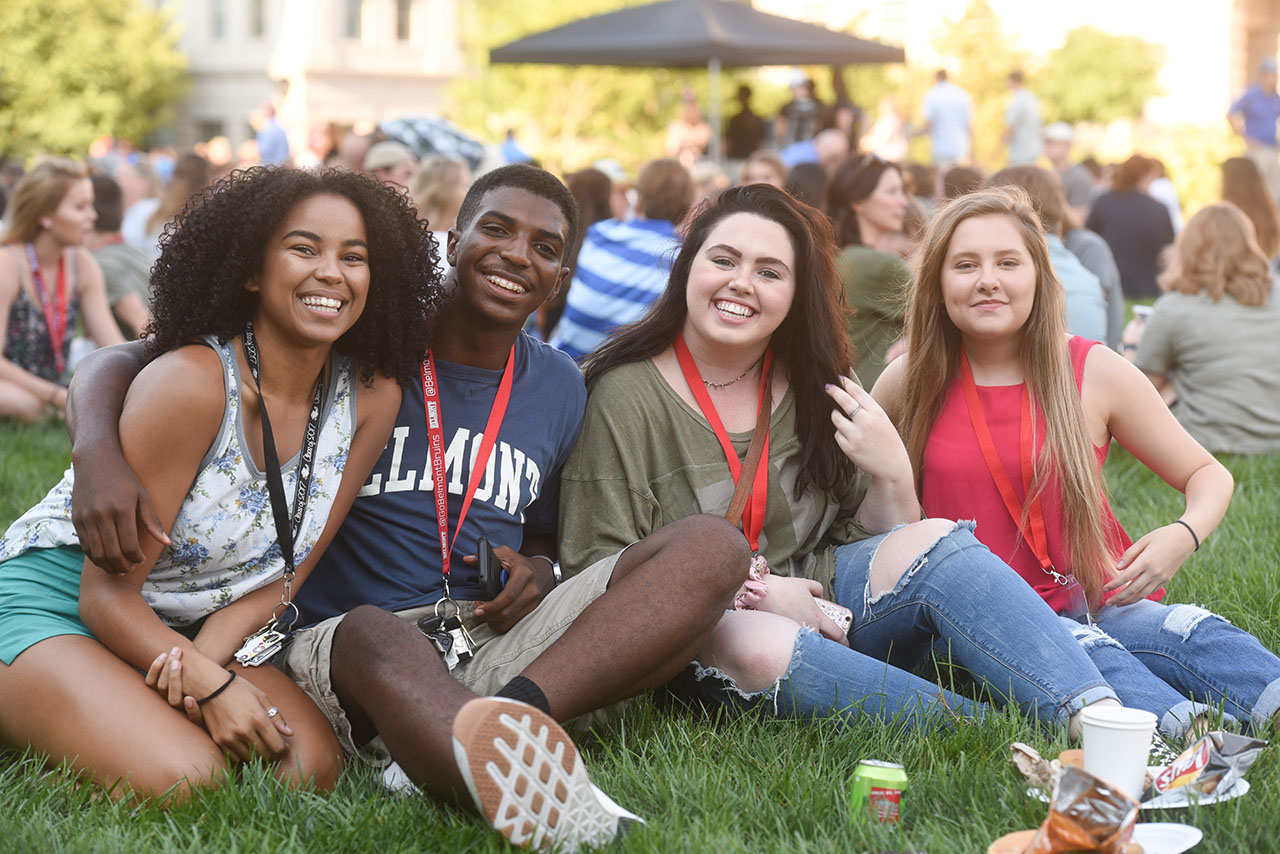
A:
x: 361, y: 634
x: 717, y: 550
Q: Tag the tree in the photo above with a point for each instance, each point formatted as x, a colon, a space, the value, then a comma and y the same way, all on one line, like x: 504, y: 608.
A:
x: 1098, y: 77
x: 74, y: 70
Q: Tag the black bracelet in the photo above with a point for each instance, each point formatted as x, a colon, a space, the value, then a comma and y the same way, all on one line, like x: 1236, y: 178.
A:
x: 230, y: 678
x: 1192, y: 530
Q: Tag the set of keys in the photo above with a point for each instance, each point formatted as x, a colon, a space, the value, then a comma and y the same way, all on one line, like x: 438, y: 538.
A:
x: 263, y: 645
x: 448, y: 634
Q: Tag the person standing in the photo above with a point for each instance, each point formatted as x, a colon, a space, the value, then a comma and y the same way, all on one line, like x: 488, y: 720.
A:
x: 1022, y: 123
x: 273, y: 142
x: 948, y: 119
x: 745, y: 132
x: 688, y: 136
x: 1254, y: 115
x: 1077, y: 183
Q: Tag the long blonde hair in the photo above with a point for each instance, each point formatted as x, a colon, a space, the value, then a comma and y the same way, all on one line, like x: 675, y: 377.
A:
x: 38, y: 194
x: 933, y: 363
x: 1217, y: 254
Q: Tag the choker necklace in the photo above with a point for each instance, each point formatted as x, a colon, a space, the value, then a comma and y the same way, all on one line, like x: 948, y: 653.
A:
x: 749, y: 369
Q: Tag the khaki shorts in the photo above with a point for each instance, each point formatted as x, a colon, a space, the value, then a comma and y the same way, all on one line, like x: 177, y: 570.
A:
x: 496, y: 662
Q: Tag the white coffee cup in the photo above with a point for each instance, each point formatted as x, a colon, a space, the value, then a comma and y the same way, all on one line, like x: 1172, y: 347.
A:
x: 1117, y: 741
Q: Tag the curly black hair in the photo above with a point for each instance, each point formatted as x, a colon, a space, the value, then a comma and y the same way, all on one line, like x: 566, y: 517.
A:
x: 217, y: 244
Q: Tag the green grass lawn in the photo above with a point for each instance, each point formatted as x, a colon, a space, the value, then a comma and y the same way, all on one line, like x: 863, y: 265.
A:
x: 740, y: 785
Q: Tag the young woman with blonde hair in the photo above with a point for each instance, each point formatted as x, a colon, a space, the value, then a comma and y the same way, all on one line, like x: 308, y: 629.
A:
x: 1007, y: 420
x: 48, y: 280
x: 1211, y: 339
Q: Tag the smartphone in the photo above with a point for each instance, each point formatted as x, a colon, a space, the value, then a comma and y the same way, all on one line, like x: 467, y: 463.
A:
x: 490, y: 570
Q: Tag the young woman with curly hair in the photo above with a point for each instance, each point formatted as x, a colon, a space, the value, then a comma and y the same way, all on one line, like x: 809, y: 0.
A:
x: 301, y: 295
x: 47, y: 280
x: 750, y: 324
x: 1007, y: 420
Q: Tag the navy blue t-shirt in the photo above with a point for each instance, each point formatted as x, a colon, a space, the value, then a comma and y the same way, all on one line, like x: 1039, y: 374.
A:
x: 387, y: 551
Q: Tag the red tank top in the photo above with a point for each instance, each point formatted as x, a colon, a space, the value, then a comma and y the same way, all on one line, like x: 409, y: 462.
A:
x: 956, y: 483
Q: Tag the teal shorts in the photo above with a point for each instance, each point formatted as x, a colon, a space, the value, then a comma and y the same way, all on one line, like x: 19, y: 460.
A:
x: 39, y: 599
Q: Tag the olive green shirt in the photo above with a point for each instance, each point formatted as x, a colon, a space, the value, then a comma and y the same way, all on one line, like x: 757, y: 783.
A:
x: 645, y: 458
x: 875, y: 285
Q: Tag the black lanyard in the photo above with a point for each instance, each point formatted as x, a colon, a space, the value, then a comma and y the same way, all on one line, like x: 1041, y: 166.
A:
x: 286, y: 534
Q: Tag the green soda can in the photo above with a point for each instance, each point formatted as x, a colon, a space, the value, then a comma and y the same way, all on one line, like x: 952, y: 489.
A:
x: 877, y: 791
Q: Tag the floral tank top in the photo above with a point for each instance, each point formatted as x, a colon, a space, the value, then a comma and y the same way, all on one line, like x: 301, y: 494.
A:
x: 223, y: 542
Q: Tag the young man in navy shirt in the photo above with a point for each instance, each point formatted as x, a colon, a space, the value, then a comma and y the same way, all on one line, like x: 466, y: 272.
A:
x: 627, y: 624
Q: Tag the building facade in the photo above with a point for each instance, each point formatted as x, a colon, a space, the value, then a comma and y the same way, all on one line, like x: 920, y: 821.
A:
x: 346, y: 62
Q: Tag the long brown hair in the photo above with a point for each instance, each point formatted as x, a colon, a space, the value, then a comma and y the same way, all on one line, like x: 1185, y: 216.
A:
x: 854, y: 180
x: 1216, y: 254
x: 1242, y: 185
x: 810, y: 342
x: 933, y: 363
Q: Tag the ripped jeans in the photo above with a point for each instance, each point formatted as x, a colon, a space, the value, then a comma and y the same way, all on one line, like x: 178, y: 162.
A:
x: 1181, y: 661
x: 959, y: 599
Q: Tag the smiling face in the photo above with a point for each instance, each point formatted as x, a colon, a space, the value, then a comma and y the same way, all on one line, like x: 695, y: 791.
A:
x: 741, y: 283
x: 508, y: 260
x: 315, y: 272
x: 71, y: 222
x: 883, y: 211
x: 988, y: 278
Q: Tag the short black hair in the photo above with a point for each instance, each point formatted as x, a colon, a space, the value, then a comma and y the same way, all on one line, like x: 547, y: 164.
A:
x: 108, y: 201
x: 532, y: 179
x: 217, y: 243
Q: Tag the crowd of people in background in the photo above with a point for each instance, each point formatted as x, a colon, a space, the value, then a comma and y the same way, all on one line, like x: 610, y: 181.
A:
x: 874, y: 297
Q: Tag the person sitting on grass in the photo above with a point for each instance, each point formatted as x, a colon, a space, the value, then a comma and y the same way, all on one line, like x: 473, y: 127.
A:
x: 1008, y: 419
x: 407, y: 551
x: 284, y: 291
x: 743, y: 353
x: 47, y: 281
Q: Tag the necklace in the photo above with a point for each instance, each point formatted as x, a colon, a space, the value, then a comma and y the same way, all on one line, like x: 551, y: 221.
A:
x: 749, y: 369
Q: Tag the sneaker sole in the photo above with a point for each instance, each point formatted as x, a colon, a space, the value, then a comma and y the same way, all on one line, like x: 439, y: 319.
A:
x: 527, y: 779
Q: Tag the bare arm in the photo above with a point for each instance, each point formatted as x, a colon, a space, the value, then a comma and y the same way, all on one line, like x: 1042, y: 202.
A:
x: 108, y: 503
x: 99, y: 322
x: 1121, y: 402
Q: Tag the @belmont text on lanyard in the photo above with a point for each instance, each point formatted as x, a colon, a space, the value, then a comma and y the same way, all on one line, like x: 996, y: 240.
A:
x: 262, y: 644
x: 435, y: 436
x: 753, y: 514
x: 1033, y: 530
x: 54, y: 305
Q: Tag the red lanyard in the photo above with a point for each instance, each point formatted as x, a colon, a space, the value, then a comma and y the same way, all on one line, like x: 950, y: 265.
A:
x: 435, y: 435
x: 753, y: 514
x: 54, y: 306
x: 1034, y: 533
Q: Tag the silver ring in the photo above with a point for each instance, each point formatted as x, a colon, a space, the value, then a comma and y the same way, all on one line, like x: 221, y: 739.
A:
x: 272, y: 712
x: 852, y: 412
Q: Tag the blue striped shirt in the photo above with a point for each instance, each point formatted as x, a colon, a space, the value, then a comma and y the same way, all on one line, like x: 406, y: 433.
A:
x: 622, y: 270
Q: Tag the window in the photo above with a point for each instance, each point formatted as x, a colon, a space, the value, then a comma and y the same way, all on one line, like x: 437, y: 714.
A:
x: 355, y: 10
x: 218, y: 19
x: 403, y: 8
x: 257, y: 18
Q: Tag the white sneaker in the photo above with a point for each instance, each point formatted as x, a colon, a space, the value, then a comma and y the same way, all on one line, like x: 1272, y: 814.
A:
x: 527, y: 779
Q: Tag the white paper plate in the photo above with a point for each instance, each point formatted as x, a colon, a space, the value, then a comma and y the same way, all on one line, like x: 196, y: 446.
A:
x: 1160, y: 837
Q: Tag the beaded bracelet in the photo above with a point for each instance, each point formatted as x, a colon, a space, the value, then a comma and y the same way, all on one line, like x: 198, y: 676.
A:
x: 230, y: 678
x: 1192, y: 530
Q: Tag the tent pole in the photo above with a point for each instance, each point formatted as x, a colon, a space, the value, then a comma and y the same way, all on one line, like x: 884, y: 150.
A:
x: 713, y: 99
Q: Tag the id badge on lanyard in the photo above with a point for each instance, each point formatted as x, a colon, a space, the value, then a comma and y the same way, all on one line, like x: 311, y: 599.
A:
x: 445, y: 628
